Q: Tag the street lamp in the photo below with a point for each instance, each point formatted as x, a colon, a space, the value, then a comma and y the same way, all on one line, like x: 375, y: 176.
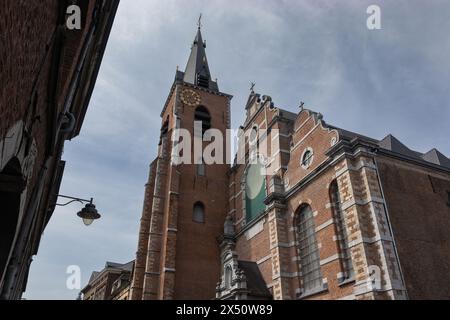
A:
x: 89, y: 213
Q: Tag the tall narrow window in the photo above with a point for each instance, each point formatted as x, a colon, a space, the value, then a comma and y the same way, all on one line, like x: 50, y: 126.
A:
x: 341, y: 232
x: 310, y: 272
x: 202, y: 115
x: 228, y: 277
x: 201, y: 170
x: 164, y: 130
x: 199, y: 213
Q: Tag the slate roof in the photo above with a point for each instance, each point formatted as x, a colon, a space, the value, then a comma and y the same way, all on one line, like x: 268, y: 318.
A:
x: 122, y: 266
x: 389, y: 143
x: 94, y: 276
x: 255, y: 282
x: 436, y: 157
x: 198, y: 64
x: 112, y: 265
x: 392, y: 144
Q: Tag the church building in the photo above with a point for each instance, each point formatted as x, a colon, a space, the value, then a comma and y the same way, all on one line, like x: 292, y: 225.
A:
x: 337, y: 215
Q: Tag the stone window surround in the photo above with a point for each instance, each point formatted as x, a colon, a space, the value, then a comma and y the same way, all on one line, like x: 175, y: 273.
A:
x: 310, y: 159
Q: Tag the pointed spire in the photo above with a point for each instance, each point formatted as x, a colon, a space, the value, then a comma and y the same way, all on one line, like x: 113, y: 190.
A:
x: 197, y: 69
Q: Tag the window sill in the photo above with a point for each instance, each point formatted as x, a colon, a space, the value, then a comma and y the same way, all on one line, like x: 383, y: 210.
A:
x: 346, y: 281
x: 313, y: 292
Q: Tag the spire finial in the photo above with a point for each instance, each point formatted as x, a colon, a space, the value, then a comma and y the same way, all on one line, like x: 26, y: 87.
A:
x: 252, y: 87
x: 199, y: 23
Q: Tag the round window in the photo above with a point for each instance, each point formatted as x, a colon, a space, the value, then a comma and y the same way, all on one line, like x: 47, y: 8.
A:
x: 307, y: 158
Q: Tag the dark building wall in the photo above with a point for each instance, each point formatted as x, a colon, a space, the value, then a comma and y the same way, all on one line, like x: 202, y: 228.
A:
x: 46, y: 72
x: 419, y: 210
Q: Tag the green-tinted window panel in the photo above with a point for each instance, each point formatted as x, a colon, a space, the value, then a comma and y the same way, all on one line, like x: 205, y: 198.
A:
x: 255, y: 192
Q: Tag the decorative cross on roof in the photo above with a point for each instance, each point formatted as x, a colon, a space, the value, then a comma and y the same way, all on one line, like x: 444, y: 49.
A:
x: 199, y: 23
x: 252, y: 86
x: 302, y: 104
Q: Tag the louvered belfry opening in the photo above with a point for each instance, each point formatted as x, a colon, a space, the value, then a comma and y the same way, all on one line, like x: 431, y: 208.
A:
x: 202, y: 81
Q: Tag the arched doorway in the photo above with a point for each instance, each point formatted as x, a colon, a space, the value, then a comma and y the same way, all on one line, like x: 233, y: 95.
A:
x: 12, y: 185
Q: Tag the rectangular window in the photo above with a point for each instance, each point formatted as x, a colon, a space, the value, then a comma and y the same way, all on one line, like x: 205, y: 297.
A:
x: 201, y: 170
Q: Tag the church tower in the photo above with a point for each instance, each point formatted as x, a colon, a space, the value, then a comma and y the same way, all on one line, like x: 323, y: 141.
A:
x: 186, y: 204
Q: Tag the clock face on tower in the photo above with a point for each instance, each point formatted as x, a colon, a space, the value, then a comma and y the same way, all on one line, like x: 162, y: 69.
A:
x: 190, y: 97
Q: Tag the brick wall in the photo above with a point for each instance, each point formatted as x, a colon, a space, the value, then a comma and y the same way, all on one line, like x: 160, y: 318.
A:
x: 38, y: 59
x: 417, y: 200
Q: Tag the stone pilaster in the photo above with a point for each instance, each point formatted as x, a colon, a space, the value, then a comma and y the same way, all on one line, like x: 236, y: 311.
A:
x: 137, y: 284
x: 167, y: 288
x: 377, y: 272
x: 152, y: 270
x: 280, y: 253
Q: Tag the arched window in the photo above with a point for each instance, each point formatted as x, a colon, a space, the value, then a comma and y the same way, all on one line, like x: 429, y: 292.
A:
x: 199, y: 213
x: 164, y: 130
x: 202, y: 115
x: 228, y: 277
x: 308, y: 250
x: 341, y: 232
x: 253, y: 142
x: 165, y: 126
x: 254, y: 135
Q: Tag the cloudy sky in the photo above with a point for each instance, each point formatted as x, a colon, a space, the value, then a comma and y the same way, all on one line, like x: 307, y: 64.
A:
x: 394, y: 80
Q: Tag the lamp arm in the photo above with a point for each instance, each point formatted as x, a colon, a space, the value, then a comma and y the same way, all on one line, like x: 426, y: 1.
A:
x: 66, y: 204
x: 73, y: 199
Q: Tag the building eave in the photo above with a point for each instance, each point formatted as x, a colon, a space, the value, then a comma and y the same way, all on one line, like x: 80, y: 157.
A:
x: 101, y: 43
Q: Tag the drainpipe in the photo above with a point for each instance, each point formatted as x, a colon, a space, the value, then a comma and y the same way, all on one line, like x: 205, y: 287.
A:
x: 389, y: 222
